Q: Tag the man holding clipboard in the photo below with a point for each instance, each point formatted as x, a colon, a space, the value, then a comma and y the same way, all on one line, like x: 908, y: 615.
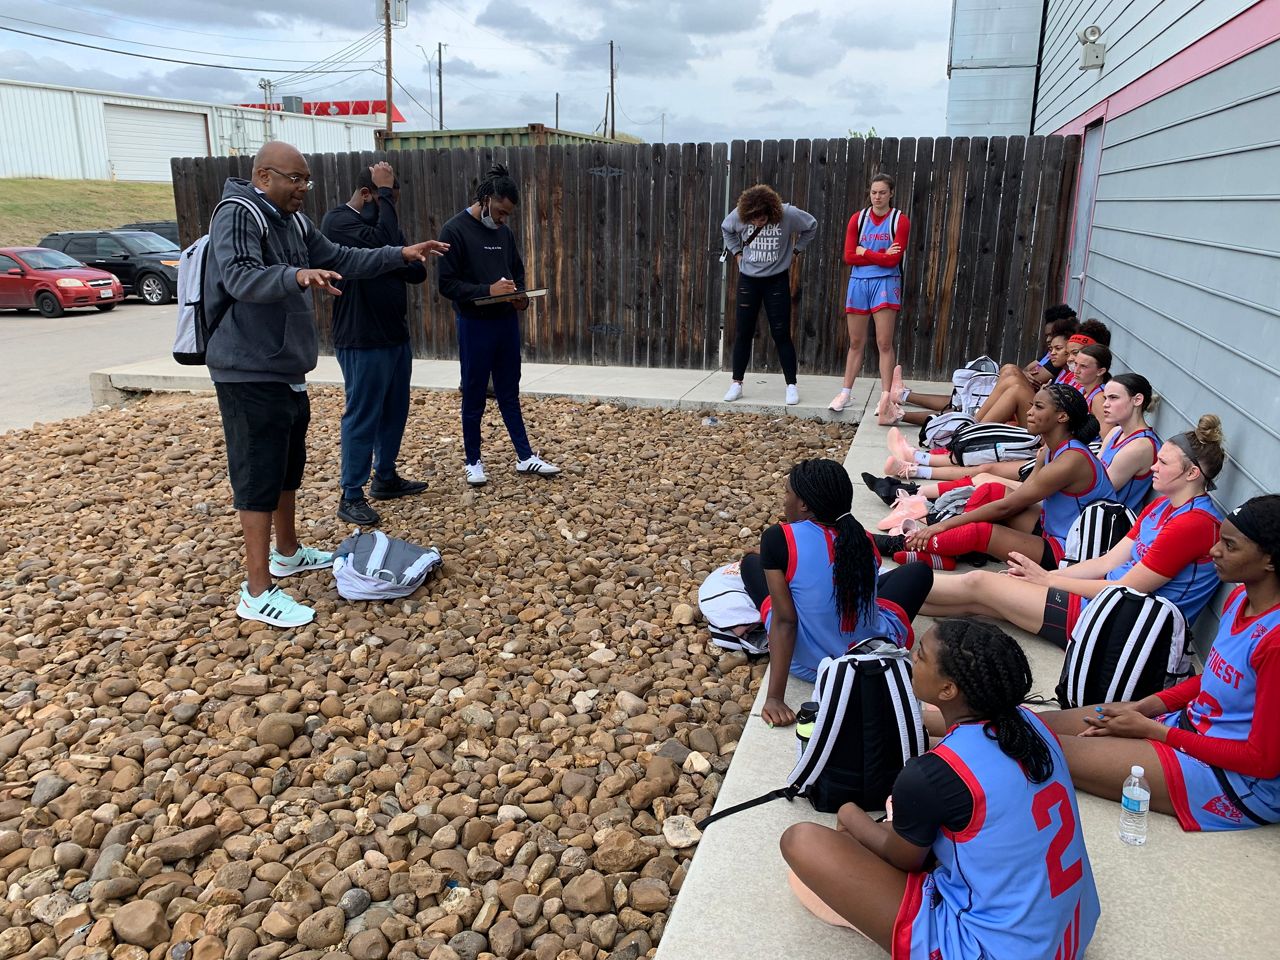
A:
x: 483, y: 275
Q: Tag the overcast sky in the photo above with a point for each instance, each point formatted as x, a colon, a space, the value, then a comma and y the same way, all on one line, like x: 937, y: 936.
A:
x: 718, y: 69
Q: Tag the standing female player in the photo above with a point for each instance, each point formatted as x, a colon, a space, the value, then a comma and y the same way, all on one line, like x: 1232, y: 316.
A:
x: 1211, y: 744
x: 816, y: 582
x: 992, y: 802
x: 873, y: 248
x: 765, y: 235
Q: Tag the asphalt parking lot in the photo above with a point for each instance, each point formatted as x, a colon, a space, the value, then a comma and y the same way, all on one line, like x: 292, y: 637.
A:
x: 45, y: 363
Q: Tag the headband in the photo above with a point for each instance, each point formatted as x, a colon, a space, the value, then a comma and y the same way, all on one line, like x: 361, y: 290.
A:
x: 1246, y: 522
x: 1081, y: 338
x: 1183, y: 442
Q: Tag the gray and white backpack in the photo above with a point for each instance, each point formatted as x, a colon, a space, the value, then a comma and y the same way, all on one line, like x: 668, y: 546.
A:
x: 734, y: 621
x: 373, y: 566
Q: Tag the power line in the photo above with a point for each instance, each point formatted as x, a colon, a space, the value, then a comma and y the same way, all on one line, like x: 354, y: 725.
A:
x: 79, y: 9
x: 185, y: 63
x: 139, y: 43
x: 346, y: 55
x: 516, y: 43
x: 413, y: 98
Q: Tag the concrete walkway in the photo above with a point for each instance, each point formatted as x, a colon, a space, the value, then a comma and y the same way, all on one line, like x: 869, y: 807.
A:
x: 1209, y: 896
x: 630, y: 386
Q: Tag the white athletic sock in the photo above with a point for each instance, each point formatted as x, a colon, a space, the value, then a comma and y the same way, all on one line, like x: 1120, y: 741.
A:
x: 923, y: 472
x: 921, y: 457
x: 845, y: 390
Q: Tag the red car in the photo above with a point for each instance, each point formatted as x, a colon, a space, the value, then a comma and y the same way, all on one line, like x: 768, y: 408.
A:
x: 52, y: 282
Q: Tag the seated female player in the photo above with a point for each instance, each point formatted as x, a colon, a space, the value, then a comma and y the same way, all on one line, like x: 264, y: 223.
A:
x: 1090, y: 373
x: 815, y: 580
x: 1059, y: 323
x: 1033, y: 519
x: 1009, y: 401
x: 1128, y: 451
x: 1166, y: 553
x: 1210, y: 745
x: 991, y: 805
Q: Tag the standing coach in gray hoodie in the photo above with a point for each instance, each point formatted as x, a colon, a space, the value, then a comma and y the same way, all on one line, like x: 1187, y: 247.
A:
x: 765, y: 234
x: 265, y: 344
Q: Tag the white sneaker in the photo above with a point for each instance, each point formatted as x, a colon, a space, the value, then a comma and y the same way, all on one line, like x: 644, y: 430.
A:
x: 733, y: 393
x: 273, y: 606
x: 475, y: 474
x: 793, y: 394
x: 535, y: 464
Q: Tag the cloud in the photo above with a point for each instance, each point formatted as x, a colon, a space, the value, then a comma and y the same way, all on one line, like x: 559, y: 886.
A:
x: 807, y: 44
x: 717, y: 17
x: 459, y: 67
x: 786, y: 104
x: 185, y: 83
x: 753, y: 85
x: 227, y: 17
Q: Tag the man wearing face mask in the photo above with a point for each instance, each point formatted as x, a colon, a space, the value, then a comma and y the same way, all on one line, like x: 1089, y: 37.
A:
x: 483, y: 261
x: 371, y: 341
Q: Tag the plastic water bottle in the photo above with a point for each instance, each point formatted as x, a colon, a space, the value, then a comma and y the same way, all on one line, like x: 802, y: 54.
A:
x: 1135, y: 800
x: 805, y: 718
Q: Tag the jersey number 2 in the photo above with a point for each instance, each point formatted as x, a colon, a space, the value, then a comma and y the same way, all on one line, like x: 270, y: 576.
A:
x: 1061, y: 878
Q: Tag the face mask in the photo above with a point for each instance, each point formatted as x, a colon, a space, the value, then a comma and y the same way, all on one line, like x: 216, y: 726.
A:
x: 486, y: 219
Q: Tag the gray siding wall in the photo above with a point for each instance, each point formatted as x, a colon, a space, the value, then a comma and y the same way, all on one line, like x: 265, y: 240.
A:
x: 1184, y: 259
x: 992, y: 67
x: 1139, y: 34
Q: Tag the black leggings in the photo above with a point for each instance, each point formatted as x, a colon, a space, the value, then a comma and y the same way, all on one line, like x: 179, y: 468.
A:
x: 908, y: 586
x: 774, y: 292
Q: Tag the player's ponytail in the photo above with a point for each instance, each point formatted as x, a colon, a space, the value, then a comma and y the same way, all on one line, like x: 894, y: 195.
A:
x: 993, y: 674
x: 826, y: 490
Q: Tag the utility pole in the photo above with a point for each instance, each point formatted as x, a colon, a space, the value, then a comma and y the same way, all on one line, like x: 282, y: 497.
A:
x: 613, y: 113
x: 557, y: 109
x: 663, y: 138
x: 266, y: 85
x: 386, y: 34
x: 440, y: 82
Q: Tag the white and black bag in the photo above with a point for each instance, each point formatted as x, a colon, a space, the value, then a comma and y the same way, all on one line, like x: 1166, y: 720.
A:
x: 973, y: 383
x: 938, y: 430
x: 981, y: 443
x: 1125, y: 646
x: 1100, y: 526
x: 373, y: 566
x: 868, y: 727
x: 727, y: 607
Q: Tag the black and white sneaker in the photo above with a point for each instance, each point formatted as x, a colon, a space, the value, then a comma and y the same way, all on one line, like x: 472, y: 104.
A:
x: 397, y: 486
x: 886, y: 488
x: 889, y: 545
x: 475, y: 474
x: 358, y: 512
x: 535, y: 464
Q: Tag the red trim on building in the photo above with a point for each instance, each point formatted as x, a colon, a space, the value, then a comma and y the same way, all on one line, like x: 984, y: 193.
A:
x: 1241, y: 35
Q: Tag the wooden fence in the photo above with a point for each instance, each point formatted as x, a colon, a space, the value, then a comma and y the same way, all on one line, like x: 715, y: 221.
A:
x: 627, y: 238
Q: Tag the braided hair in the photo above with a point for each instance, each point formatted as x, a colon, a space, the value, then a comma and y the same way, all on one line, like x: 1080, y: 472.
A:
x: 1068, y: 400
x: 825, y: 488
x: 993, y: 674
x: 497, y: 183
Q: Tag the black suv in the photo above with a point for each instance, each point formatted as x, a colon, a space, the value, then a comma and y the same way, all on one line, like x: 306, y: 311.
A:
x: 146, y: 264
x: 165, y: 228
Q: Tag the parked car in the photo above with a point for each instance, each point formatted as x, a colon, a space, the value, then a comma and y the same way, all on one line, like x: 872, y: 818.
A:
x: 164, y: 228
x: 147, y: 264
x: 51, y: 282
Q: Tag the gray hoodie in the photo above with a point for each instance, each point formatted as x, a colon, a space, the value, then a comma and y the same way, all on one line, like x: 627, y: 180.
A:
x: 770, y: 251
x: 268, y: 326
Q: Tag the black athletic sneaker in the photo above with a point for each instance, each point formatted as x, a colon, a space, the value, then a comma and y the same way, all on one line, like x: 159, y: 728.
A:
x: 887, y: 545
x: 358, y: 512
x: 886, y: 488
x: 397, y: 486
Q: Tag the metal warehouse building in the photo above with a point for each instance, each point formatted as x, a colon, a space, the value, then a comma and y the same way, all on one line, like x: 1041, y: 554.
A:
x: 74, y: 134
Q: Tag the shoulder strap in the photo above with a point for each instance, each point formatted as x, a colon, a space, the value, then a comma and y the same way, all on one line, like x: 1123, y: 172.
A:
x: 862, y: 221
x: 241, y: 202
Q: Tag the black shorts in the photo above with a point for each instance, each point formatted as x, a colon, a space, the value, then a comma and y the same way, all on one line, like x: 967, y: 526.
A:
x: 1061, y: 611
x: 265, y: 425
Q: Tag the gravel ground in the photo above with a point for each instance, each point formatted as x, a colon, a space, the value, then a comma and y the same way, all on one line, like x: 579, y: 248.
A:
x: 506, y: 764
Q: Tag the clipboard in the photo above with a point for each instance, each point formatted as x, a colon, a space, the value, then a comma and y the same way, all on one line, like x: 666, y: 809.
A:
x: 508, y: 297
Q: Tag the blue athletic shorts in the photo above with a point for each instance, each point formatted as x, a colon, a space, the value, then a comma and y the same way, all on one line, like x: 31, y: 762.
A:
x: 869, y: 294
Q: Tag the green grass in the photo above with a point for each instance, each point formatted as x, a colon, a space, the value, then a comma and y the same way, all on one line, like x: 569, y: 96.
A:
x: 30, y: 209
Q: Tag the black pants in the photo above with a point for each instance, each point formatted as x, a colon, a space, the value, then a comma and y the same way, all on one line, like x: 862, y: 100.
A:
x: 908, y: 586
x: 774, y: 293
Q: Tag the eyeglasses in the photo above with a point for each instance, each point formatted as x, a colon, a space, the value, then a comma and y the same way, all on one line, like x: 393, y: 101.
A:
x: 297, y: 179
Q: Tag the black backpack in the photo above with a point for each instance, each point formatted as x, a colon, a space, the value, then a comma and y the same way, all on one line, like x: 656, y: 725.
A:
x: 981, y: 443
x: 868, y: 727
x: 1125, y: 646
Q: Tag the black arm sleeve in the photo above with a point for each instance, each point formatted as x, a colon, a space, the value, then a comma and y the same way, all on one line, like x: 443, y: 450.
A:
x: 388, y: 231
x: 774, y: 554
x: 927, y: 796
